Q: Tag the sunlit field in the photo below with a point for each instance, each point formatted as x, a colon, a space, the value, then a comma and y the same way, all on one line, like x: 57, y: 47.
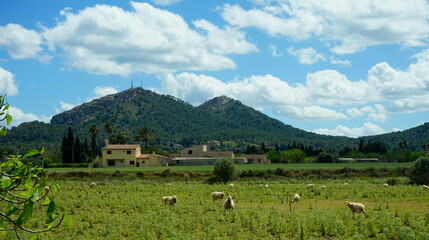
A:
x: 119, y: 208
x: 209, y: 168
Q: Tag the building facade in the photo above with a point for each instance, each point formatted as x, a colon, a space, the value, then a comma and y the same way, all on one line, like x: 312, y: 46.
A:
x: 129, y: 155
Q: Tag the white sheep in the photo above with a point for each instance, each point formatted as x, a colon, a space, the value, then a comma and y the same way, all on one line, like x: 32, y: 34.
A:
x: 92, y: 185
x: 217, y: 195
x: 295, y: 198
x: 229, y: 204
x: 425, y: 187
x: 323, y: 187
x: 345, y: 184
x: 310, y: 186
x: 266, y: 185
x: 385, y: 185
x: 231, y: 185
x: 169, y: 200
x: 356, y: 207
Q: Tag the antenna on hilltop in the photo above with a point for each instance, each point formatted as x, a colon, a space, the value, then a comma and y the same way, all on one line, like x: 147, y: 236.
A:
x: 132, y: 84
x: 141, y: 84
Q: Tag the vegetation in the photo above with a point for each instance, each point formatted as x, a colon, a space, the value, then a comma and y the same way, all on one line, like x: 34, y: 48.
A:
x: 22, y: 189
x: 224, y: 170
x: 132, y: 209
x: 420, y: 171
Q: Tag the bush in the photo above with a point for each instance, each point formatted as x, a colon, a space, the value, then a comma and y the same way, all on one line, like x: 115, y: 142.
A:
x: 325, y: 157
x: 225, y: 170
x: 419, y: 171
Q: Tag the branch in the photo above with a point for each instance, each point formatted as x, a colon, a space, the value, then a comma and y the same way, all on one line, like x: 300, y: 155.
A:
x: 43, y: 230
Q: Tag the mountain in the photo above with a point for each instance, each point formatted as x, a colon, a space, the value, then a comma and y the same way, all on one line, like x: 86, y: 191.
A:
x: 175, y: 121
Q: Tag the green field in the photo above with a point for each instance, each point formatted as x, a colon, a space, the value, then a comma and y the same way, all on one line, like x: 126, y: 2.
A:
x: 132, y: 209
x: 209, y: 168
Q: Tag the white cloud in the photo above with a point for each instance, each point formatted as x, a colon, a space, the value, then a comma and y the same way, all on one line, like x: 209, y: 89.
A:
x: 64, y: 107
x: 227, y: 41
x: 166, y: 2
x: 273, y: 49
x: 340, y: 62
x: 19, y: 42
x: 306, y: 55
x: 367, y: 129
x: 143, y: 40
x: 103, y: 91
x: 18, y: 117
x: 7, y: 83
x: 376, y: 113
x: 313, y: 113
x: 346, y: 26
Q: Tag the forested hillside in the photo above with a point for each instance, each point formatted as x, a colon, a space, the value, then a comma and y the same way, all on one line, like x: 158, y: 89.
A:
x: 174, y: 121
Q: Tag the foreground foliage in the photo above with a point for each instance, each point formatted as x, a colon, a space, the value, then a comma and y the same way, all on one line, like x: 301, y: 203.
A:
x: 132, y: 209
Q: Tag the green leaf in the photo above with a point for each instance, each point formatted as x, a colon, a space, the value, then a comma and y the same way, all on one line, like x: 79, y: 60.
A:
x: 3, y: 131
x: 25, y: 214
x: 1, y: 222
x: 11, y: 211
x: 32, y: 152
x: 68, y: 221
x: 8, y: 119
x: 35, y: 237
x: 51, y: 213
x: 5, y: 182
x: 6, y: 107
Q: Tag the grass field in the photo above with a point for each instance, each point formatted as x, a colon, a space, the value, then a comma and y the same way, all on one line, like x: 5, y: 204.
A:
x: 132, y: 209
x: 209, y: 168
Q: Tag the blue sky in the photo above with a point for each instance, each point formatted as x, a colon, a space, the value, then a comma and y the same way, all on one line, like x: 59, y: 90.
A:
x: 349, y: 68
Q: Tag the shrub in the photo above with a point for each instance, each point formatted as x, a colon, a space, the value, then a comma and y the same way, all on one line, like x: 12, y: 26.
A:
x: 419, y: 171
x: 325, y: 157
x: 225, y: 170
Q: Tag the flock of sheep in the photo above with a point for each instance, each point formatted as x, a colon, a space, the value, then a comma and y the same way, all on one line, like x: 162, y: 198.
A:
x: 230, y: 205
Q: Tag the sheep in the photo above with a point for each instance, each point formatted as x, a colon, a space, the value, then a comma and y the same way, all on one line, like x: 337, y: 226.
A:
x: 385, y: 185
x: 92, y: 185
x: 356, y: 207
x: 231, y: 185
x: 310, y: 186
x: 323, y: 187
x: 217, y: 195
x: 295, y: 198
x: 345, y: 184
x: 266, y: 185
x: 425, y: 187
x: 229, y: 204
x: 170, y: 200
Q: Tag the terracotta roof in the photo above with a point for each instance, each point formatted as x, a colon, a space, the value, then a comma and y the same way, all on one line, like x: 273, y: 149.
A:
x: 143, y: 156
x: 122, y: 146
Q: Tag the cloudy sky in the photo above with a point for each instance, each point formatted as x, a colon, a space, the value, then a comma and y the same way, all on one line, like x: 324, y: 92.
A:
x: 337, y: 67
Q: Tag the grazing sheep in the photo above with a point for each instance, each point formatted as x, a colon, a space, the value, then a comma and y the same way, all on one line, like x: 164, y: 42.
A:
x: 229, y: 204
x: 356, y: 207
x: 345, y: 184
x: 217, y: 195
x: 170, y: 200
x: 310, y: 186
x: 385, y: 185
x: 295, y: 198
x: 168, y: 184
x: 92, y: 185
x: 323, y: 187
x: 231, y: 185
x: 266, y: 185
x: 425, y: 187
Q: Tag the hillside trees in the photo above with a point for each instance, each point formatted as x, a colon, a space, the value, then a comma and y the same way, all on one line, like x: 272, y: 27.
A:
x: 144, y: 134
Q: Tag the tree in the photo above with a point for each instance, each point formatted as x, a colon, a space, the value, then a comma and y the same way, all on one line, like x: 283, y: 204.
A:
x: 108, y: 126
x: 420, y: 171
x: 94, y: 132
x: 4, y: 115
x: 325, y: 157
x: 24, y: 188
x: 119, y: 138
x: 144, y: 134
x: 293, y: 155
x: 225, y: 170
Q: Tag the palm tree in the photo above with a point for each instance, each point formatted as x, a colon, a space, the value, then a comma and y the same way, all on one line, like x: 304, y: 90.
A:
x: 108, y: 126
x: 144, y: 134
x: 94, y: 130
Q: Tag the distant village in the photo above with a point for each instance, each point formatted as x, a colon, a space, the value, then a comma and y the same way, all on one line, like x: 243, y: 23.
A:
x: 129, y: 155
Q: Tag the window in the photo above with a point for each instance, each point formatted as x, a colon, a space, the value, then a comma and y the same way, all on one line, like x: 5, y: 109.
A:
x: 109, y: 152
x: 190, y: 152
x: 131, y: 162
x: 142, y: 162
x: 128, y: 151
x: 111, y: 163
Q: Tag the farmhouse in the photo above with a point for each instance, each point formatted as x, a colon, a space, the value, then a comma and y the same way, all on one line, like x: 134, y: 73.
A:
x: 129, y: 155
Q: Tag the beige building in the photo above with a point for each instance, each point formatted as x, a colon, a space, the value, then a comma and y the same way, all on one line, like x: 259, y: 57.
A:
x: 256, y: 158
x: 129, y: 155
x: 199, y: 155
